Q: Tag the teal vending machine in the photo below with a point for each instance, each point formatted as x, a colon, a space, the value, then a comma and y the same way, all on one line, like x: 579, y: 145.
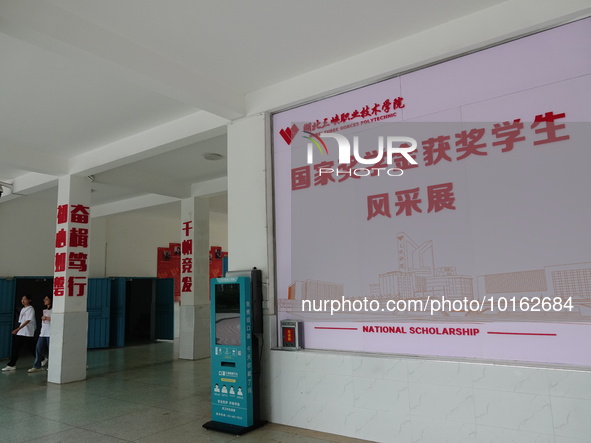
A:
x: 236, y: 332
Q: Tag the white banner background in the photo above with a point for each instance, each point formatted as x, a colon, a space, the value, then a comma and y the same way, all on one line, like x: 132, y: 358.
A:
x: 520, y: 227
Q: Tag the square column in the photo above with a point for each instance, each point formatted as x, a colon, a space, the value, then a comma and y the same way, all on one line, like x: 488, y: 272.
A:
x: 69, y: 319
x: 194, y: 308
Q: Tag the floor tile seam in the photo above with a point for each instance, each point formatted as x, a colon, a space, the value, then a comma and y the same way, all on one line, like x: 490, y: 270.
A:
x: 87, y: 430
x: 118, y: 396
x: 310, y: 433
x: 36, y: 417
x: 123, y: 396
x: 131, y: 378
x: 143, y: 436
x: 26, y: 411
x: 195, y: 414
x: 308, y: 436
x: 102, y: 396
x: 73, y: 391
x: 118, y: 379
x: 156, y: 407
x: 85, y: 426
x: 176, y: 426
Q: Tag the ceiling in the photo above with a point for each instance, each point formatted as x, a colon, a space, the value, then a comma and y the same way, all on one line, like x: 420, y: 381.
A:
x: 133, y: 93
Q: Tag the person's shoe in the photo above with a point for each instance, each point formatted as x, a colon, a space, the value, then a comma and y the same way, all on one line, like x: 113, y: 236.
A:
x: 35, y: 370
x: 44, y: 362
x: 8, y: 368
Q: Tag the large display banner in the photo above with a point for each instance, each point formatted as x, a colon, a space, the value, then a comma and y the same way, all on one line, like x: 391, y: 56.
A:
x: 444, y: 212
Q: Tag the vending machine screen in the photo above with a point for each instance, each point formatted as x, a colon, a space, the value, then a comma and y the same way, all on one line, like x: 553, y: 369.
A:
x: 227, y: 314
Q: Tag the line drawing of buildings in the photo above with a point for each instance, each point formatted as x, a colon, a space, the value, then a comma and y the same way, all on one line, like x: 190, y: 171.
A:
x: 419, y: 279
x: 313, y: 290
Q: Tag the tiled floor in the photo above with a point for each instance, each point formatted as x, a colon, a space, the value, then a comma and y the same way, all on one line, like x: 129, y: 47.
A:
x: 139, y: 393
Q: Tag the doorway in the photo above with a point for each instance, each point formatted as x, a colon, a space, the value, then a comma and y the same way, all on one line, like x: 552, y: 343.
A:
x: 139, y: 311
x: 36, y: 288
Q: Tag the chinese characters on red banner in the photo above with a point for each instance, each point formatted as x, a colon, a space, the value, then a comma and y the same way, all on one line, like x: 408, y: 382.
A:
x: 67, y: 260
x: 186, y: 257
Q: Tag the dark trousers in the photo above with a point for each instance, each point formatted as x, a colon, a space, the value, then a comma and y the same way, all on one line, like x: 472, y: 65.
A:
x: 19, y: 342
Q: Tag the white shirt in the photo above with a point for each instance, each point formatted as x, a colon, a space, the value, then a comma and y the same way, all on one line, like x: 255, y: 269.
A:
x: 45, y: 324
x: 27, y: 313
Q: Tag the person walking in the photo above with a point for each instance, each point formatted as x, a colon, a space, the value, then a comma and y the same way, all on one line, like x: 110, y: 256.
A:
x: 42, y: 350
x: 24, y: 335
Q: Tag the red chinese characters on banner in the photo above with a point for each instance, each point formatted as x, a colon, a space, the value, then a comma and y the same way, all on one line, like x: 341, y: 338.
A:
x: 76, y: 286
x: 187, y: 247
x: 323, y: 179
x: 436, y: 149
x: 187, y: 284
x: 62, y: 214
x: 77, y: 261
x: 187, y: 258
x: 80, y: 214
x: 508, y: 133
x: 61, y: 238
x: 300, y: 178
x: 467, y: 143
x: 60, y: 262
x: 439, y: 149
x: 378, y: 204
x: 545, y: 124
x: 74, y: 261
x: 79, y: 237
x: 59, y: 286
x: 186, y: 265
x: 371, y: 113
x: 440, y: 197
x: 409, y: 201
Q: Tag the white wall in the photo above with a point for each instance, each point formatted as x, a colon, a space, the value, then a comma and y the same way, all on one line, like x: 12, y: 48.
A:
x: 27, y: 235
x: 404, y: 399
x: 247, y: 207
x: 218, y: 230
x: 98, y: 247
x: 133, y: 240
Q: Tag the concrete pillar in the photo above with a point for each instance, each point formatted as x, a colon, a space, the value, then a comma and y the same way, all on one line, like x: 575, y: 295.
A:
x: 247, y: 205
x: 194, y: 308
x: 249, y: 219
x: 250, y: 207
x: 69, y: 319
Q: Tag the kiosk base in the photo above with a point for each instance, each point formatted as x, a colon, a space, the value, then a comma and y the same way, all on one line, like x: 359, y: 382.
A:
x: 232, y: 429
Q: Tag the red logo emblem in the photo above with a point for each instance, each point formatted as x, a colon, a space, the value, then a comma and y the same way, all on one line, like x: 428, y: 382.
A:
x: 288, y: 134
